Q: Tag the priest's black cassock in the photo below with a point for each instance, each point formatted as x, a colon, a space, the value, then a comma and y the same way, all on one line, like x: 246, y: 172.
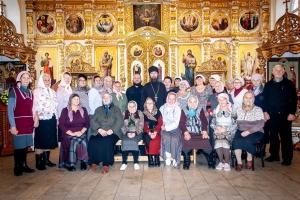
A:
x: 151, y: 90
x: 134, y: 93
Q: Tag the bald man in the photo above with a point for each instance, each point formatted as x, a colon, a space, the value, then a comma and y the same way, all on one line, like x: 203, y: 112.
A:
x: 279, y: 106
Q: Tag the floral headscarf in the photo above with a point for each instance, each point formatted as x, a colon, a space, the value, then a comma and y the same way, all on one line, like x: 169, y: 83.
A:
x: 64, y: 84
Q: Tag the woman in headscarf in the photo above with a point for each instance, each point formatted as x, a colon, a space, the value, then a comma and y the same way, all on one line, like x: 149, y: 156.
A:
x: 250, y: 119
x: 257, y: 89
x: 45, y: 106
x: 106, y: 124
x: 95, y: 98
x: 132, y: 133
x: 229, y: 85
x: 183, y: 95
x: 74, y: 123
x: 238, y: 93
x: 152, y: 127
x: 118, y: 97
x: 224, y: 127
x: 171, y: 144
x: 82, y: 90
x: 63, y: 93
x: 201, y: 91
x: 107, y: 85
x: 193, y: 124
x: 22, y: 120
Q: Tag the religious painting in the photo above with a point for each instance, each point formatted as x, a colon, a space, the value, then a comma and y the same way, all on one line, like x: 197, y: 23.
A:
x: 220, y: 21
x: 105, y: 23
x: 45, y: 24
x: 189, y: 21
x: 147, y: 15
x: 161, y: 69
x: 189, y: 62
x: 106, y: 61
x: 74, y: 23
x: 158, y: 50
x: 221, y: 61
x: 248, y: 60
x: 9, y: 71
x: 137, y: 68
x: 136, y: 50
x: 291, y: 66
x: 47, y: 60
x: 249, y: 20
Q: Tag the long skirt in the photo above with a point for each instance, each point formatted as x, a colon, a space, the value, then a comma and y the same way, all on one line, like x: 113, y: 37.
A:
x: 45, y: 134
x: 101, y: 149
x: 196, y: 142
x: 22, y: 141
x: 247, y: 143
x: 223, y: 140
x: 131, y: 144
x: 73, y: 149
x: 152, y: 146
x: 171, y: 142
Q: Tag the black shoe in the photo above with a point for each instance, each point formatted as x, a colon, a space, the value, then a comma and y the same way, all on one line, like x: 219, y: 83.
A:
x: 286, y: 163
x: 272, y: 159
x: 39, y: 164
x: 150, y: 161
x: 156, y: 161
x: 46, y: 156
x: 18, y: 170
x: 72, y: 168
x: 210, y: 160
x: 83, y: 165
x: 186, y: 160
x: 25, y: 168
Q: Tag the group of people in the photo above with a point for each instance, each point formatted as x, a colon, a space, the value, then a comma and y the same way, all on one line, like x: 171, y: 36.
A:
x: 171, y: 121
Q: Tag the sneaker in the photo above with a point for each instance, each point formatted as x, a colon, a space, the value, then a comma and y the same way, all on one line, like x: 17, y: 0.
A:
x: 174, y: 163
x: 227, y: 167
x: 220, y: 166
x: 168, y: 161
x: 136, y: 166
x: 123, y: 167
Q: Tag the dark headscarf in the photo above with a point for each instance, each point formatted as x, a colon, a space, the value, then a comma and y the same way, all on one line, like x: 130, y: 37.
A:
x: 107, y: 106
x: 153, y: 112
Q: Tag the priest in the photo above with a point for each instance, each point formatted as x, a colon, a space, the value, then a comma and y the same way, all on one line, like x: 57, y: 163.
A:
x: 154, y: 89
x: 134, y: 92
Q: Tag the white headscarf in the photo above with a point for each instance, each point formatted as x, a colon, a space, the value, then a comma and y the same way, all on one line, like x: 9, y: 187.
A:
x: 41, y: 84
x: 64, y: 84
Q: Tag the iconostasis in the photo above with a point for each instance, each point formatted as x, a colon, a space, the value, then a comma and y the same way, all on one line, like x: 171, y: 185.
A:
x: 124, y: 38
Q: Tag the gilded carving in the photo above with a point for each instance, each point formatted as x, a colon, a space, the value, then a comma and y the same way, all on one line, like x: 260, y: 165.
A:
x: 220, y: 45
x: 165, y: 18
x: 128, y: 26
x: 206, y: 51
x: 61, y: 51
x: 235, y: 67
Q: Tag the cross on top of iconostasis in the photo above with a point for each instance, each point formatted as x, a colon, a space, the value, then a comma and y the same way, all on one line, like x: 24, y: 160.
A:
x: 2, y: 5
x: 286, y: 4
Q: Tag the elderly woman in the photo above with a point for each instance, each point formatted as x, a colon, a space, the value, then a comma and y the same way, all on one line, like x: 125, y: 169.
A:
x: 229, y: 85
x: 82, y: 90
x: 45, y: 106
x: 238, y: 93
x: 193, y: 124
x: 170, y: 133
x: 201, y: 91
x: 108, y: 85
x: 257, y: 89
x: 63, y: 93
x: 224, y: 127
x: 183, y: 95
x: 250, y: 119
x: 132, y: 133
x: 73, y: 122
x: 118, y: 97
x: 22, y: 121
x: 106, y: 130
x: 152, y: 127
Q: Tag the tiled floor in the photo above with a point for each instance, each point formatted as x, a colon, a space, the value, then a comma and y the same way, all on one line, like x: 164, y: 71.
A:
x: 272, y: 182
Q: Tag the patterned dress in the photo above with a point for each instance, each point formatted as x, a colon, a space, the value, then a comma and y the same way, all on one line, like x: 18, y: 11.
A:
x: 225, y: 120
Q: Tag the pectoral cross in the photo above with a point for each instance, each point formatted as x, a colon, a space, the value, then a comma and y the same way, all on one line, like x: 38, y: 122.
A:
x: 155, y: 98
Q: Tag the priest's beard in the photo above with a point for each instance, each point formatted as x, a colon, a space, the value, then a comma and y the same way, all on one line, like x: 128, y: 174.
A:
x: 154, y: 79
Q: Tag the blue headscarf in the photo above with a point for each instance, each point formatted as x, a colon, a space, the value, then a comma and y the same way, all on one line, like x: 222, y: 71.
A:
x: 107, y: 106
x: 192, y: 111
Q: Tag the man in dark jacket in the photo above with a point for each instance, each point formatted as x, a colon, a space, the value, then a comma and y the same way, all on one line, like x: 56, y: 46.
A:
x: 279, y: 106
x: 134, y: 92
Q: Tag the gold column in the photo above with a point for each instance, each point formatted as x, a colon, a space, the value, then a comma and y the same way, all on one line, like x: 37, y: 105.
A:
x: 123, y: 77
x: 165, y: 18
x: 173, y: 19
x: 235, y: 21
x: 265, y: 19
x: 206, y: 47
x: 88, y: 27
x: 173, y: 64
x: 61, y: 57
x: 120, y: 18
x: 236, y: 68
x: 206, y: 19
x: 30, y: 36
x: 32, y: 72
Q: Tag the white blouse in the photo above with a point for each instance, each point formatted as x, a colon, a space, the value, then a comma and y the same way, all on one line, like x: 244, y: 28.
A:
x: 171, y: 117
x: 45, y: 103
